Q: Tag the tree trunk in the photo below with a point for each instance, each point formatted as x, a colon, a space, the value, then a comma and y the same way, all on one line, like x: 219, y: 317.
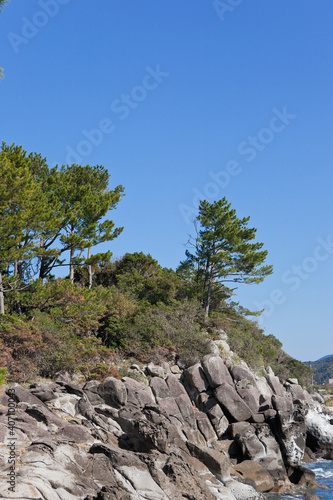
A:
x: 2, y: 299
x: 71, y: 266
x: 89, y: 270
x: 209, y: 292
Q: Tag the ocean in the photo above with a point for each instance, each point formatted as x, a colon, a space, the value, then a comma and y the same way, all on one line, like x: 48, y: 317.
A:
x: 324, y: 475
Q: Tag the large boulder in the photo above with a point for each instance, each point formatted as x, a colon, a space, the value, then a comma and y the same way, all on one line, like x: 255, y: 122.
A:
x: 215, y: 413
x: 274, y: 383
x: 319, y: 434
x: 239, y: 372
x: 232, y: 403
x: 297, y: 392
x: 249, y: 394
x: 159, y: 388
x: 258, y: 443
x: 250, y: 469
x: 283, y: 404
x: 138, y: 394
x: 289, y: 429
x: 176, y: 388
x: 113, y: 392
x: 90, y: 389
x: 196, y: 378
x: 216, y: 371
x: 217, y: 462
x: 205, y: 427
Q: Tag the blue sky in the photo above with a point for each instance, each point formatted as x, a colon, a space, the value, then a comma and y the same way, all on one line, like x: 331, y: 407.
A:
x: 188, y: 100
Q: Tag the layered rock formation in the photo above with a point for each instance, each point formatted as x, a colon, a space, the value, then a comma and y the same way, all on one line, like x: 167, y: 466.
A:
x: 213, y: 430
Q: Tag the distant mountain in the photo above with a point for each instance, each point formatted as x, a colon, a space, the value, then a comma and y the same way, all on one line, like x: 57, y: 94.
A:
x: 324, y: 357
x: 322, y: 369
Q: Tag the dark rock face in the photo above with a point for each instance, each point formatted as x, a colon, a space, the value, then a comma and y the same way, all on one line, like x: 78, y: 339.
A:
x: 180, y: 436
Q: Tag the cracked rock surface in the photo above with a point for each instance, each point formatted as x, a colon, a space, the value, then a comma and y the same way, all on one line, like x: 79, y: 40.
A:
x: 212, y: 431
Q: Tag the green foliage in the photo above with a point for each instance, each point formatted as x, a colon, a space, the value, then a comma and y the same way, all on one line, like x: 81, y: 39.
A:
x: 142, y: 278
x: 85, y: 200
x: 223, y: 252
x: 3, y: 375
x: 43, y: 347
x: 79, y: 310
x: 21, y: 208
x: 45, y: 212
x: 173, y: 328
x: 258, y: 350
x: 131, y: 306
x: 322, y: 369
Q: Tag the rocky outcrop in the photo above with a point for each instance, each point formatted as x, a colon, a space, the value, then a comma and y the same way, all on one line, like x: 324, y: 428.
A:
x: 213, y: 430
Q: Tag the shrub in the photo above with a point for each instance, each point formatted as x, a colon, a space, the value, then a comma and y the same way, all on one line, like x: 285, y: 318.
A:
x: 174, y: 328
x: 3, y: 375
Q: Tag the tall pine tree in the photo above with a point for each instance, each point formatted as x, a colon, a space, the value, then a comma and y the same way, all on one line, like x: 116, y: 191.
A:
x: 224, y: 251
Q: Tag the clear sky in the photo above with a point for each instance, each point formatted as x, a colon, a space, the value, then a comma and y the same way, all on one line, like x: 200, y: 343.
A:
x: 184, y: 100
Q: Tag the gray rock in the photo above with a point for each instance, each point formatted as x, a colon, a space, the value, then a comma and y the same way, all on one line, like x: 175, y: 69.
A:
x: 187, y: 480
x: 241, y: 373
x: 290, y: 432
x: 175, y: 386
x: 282, y: 403
x: 113, y: 392
x: 258, y: 443
x: 93, y: 397
x: 215, y: 413
x: 216, y: 371
x: 292, y: 381
x: 138, y: 394
x: 159, y: 388
x: 205, y: 427
x: 175, y: 369
x: 22, y: 395
x: 196, y: 378
x: 252, y: 470
x: 156, y: 371
x: 297, y: 392
x: 232, y: 403
x: 186, y: 410
x: 249, y: 394
x: 217, y: 462
x: 275, y: 383
x: 171, y: 408
x: 243, y: 491
x: 320, y: 434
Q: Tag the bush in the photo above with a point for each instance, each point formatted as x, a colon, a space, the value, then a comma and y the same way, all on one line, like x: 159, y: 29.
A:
x: 3, y: 375
x: 173, y: 328
x: 43, y: 347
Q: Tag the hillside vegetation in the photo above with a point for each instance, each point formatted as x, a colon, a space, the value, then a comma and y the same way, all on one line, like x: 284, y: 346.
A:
x: 136, y: 310
x: 108, y: 311
x: 322, y: 369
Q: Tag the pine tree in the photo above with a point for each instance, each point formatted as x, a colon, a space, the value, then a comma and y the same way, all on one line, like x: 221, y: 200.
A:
x: 224, y: 252
x: 86, y: 200
x: 21, y: 204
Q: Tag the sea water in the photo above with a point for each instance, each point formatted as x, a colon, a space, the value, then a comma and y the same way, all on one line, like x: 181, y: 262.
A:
x: 324, y: 475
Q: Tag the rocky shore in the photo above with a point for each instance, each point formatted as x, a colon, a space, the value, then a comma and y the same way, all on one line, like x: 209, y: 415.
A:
x: 213, y: 430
